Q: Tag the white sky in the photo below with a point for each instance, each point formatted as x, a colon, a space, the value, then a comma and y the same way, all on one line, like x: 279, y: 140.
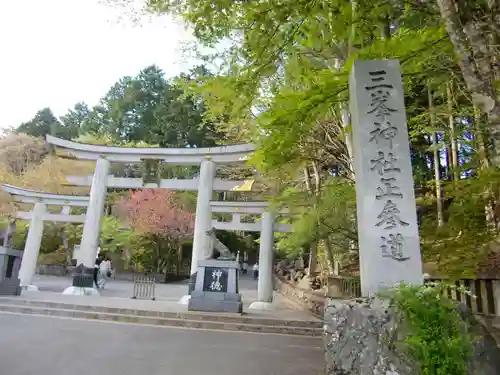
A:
x: 54, y: 53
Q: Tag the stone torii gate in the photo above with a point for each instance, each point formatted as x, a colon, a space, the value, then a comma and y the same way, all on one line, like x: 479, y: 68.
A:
x: 37, y: 216
x: 205, y: 185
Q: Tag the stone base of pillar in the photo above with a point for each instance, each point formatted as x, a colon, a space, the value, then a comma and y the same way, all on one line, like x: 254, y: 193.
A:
x: 29, y: 288
x: 185, y: 300
x: 77, y: 291
x: 263, y: 306
x: 192, y: 282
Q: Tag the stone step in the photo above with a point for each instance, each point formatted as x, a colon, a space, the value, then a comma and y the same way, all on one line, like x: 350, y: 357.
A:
x: 202, y: 316
x: 165, y: 322
x: 166, y: 319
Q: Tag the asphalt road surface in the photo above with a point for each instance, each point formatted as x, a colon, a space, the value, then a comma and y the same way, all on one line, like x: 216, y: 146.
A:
x: 32, y: 345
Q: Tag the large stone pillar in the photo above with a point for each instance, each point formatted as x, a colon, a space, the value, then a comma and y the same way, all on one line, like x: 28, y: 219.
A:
x: 389, y: 245
x: 95, y: 211
x: 203, y: 220
x: 265, y: 282
x: 32, y: 247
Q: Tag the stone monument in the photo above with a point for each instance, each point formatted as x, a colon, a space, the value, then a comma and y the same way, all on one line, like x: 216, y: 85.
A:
x: 216, y: 288
x: 10, y: 262
x: 83, y: 282
x: 389, y: 247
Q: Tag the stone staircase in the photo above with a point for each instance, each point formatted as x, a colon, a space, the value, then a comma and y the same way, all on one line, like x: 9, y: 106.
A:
x: 209, y: 321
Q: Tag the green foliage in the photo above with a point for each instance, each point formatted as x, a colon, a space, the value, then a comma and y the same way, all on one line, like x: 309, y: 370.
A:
x: 114, y: 237
x: 143, y: 109
x: 238, y: 241
x: 436, y: 336
x: 461, y: 245
x: 153, y: 252
x: 75, y: 121
x: 42, y: 124
x: 150, y: 109
x: 327, y: 215
x: 283, y: 84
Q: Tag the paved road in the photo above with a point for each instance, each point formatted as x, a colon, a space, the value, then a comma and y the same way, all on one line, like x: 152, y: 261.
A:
x: 31, y: 345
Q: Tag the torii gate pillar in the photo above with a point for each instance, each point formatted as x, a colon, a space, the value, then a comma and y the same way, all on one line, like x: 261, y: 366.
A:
x: 32, y: 247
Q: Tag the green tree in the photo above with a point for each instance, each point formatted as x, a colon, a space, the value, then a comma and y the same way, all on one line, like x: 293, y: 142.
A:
x: 75, y: 121
x: 283, y: 85
x: 42, y: 124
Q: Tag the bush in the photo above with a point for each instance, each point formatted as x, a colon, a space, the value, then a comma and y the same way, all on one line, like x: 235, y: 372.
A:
x: 436, y: 336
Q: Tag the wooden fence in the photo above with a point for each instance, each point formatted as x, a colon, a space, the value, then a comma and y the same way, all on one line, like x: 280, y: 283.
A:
x: 484, y: 296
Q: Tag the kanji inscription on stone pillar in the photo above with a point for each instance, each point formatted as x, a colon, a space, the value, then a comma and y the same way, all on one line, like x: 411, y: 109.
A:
x: 389, y: 246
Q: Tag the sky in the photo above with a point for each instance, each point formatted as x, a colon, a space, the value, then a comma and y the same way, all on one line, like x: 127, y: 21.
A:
x: 55, y: 53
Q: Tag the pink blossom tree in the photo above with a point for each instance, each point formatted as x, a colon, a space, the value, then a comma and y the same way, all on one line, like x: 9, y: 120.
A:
x: 158, y: 216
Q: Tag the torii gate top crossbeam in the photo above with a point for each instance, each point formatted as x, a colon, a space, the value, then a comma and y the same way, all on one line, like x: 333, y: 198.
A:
x: 171, y: 184
x: 180, y: 156
x: 31, y: 196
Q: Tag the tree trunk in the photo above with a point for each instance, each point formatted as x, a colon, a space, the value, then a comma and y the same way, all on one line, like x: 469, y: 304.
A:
x: 317, y: 179
x: 65, y: 243
x: 330, y: 259
x: 157, y: 255
x: 313, y: 249
x: 179, y: 260
x: 437, y: 178
x: 453, y: 136
x: 479, y: 140
x: 312, y: 259
x: 437, y: 163
x: 307, y: 179
x: 471, y: 45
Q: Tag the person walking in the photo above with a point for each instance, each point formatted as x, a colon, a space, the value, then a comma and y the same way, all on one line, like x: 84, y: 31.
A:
x: 244, y: 268
x: 255, y: 269
x: 97, y: 264
x: 104, y: 272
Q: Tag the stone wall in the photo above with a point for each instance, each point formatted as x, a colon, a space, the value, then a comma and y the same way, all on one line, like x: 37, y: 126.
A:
x: 360, y: 335
x: 52, y: 270
x: 302, y: 299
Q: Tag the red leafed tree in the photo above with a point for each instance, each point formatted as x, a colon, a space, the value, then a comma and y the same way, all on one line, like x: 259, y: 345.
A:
x: 157, y: 211
x: 162, y: 224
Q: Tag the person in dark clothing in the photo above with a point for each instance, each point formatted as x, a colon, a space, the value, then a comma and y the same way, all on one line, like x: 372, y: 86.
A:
x: 98, y: 261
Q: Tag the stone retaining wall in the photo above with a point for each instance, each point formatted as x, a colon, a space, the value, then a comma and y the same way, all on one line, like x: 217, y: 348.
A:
x: 301, y: 299
x: 361, y: 337
x: 52, y: 270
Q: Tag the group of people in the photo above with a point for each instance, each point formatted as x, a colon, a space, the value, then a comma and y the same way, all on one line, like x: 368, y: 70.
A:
x: 255, y: 269
x: 102, y: 271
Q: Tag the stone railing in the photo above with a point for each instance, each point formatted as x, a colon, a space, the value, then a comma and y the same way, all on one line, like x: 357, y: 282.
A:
x: 306, y: 300
x: 343, y: 287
